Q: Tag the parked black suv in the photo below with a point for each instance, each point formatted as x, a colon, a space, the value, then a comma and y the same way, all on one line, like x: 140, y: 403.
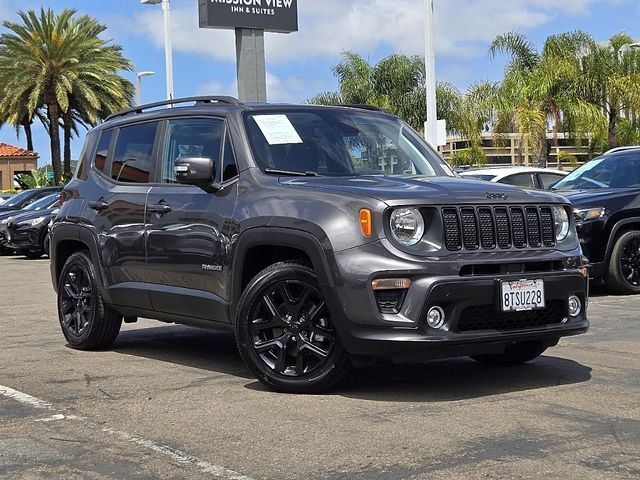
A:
x: 324, y: 236
x: 605, y: 194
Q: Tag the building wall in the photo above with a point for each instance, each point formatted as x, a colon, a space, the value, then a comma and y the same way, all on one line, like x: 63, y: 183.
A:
x: 8, y: 166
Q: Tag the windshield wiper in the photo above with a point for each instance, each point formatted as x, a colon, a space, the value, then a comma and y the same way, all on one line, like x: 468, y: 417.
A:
x: 276, y: 171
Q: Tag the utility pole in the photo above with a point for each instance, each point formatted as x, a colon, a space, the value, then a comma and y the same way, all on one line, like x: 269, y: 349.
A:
x: 430, y: 126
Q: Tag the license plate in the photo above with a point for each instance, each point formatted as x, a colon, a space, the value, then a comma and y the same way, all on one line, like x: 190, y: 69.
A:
x: 522, y: 295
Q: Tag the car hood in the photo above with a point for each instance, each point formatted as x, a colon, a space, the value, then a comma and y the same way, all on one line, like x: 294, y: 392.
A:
x: 424, y: 190
x: 5, y: 209
x: 596, y: 197
x: 21, y: 217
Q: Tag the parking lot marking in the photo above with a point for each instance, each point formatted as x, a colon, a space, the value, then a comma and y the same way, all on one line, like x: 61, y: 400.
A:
x: 173, y: 453
x: 25, y: 398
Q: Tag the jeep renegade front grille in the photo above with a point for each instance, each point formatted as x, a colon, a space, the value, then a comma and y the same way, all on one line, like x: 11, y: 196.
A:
x: 472, y: 228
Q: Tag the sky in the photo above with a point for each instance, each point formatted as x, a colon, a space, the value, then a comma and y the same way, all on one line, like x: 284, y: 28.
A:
x: 299, y: 64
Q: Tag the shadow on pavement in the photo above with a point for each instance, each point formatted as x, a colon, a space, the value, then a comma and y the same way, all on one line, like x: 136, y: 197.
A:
x: 434, y: 381
x: 205, y: 349
x: 459, y: 379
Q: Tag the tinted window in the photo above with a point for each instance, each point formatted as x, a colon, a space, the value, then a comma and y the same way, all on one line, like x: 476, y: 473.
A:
x: 520, y: 180
x: 341, y: 142
x: 548, y: 179
x: 619, y: 171
x: 132, y: 160
x: 195, y: 137
x: 44, y: 202
x: 102, y: 151
x: 19, y: 198
x: 486, y: 178
x: 229, y: 167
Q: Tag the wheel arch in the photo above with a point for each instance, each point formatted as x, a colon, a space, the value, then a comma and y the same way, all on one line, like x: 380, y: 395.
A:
x: 621, y: 226
x: 258, y: 248
x: 66, y: 240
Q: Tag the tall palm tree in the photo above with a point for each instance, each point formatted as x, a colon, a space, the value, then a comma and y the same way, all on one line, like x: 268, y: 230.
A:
x: 610, y: 80
x: 540, y: 88
x: 396, y: 84
x: 53, y: 60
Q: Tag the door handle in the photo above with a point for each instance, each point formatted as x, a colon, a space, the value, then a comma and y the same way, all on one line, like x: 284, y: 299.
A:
x: 160, y: 208
x: 98, y: 206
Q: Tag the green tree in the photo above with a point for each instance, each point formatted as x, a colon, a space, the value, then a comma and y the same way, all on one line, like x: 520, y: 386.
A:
x: 36, y: 179
x: 60, y: 62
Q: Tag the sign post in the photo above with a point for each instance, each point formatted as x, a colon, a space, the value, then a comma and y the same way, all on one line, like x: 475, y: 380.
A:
x: 250, y: 19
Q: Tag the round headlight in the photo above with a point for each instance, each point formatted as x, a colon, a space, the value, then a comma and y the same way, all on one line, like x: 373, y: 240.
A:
x: 561, y: 223
x: 407, y: 226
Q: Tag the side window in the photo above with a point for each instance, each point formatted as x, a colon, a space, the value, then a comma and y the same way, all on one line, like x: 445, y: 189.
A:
x: 548, y: 179
x: 520, y: 180
x: 229, y: 166
x: 132, y: 160
x: 191, y: 137
x: 103, y: 149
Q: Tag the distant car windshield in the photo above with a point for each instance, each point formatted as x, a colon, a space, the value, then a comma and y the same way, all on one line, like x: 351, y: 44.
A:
x: 474, y: 176
x: 42, y: 203
x: 603, y: 172
x: 17, y: 199
x: 339, y: 142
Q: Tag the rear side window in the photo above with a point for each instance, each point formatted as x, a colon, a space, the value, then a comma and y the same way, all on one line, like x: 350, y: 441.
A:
x: 132, y: 159
x: 103, y: 149
x: 520, y: 180
x: 548, y: 179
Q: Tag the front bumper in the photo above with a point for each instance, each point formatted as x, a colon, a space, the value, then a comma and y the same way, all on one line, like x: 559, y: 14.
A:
x: 474, y: 323
x: 24, y: 238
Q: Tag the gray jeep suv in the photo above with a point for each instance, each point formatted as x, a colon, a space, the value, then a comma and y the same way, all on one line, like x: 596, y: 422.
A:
x: 324, y: 237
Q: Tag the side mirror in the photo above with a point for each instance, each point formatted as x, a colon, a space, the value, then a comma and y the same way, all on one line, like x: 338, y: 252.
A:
x: 198, y: 171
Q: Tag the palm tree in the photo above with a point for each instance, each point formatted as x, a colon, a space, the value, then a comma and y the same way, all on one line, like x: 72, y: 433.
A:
x: 58, y: 61
x: 395, y: 84
x: 610, y: 80
x: 540, y: 87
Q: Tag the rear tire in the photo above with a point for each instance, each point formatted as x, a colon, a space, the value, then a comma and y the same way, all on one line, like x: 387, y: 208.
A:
x: 623, y: 272
x: 515, y: 354
x: 285, y: 333
x: 86, y: 322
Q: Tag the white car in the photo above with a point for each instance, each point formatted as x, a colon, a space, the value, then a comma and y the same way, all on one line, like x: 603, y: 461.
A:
x: 527, y: 177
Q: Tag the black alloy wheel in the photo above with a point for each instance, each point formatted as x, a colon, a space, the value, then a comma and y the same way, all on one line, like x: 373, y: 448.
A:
x: 86, y: 322
x: 285, y: 333
x: 76, y: 300
x: 623, y: 272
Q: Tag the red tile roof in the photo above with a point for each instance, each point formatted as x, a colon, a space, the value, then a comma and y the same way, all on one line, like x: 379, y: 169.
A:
x: 7, y: 150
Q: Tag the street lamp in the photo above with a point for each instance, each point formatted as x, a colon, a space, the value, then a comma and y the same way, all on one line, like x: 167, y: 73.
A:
x: 166, y: 8
x: 431, y: 125
x: 139, y: 77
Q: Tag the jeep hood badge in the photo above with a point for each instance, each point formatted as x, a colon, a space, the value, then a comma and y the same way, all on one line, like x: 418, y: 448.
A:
x: 496, y: 196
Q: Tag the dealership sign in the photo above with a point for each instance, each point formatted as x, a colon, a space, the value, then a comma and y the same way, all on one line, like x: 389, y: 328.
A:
x: 270, y: 15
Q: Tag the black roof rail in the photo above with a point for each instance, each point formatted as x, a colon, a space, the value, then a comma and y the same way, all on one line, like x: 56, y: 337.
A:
x: 175, y: 101
x: 362, y: 106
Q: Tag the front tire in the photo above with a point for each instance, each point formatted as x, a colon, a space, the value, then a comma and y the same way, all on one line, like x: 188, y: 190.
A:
x: 623, y: 272
x: 86, y: 322
x: 285, y: 333
x: 515, y: 354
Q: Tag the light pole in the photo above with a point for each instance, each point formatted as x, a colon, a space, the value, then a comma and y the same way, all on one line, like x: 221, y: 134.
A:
x: 139, y: 77
x: 168, y: 56
x: 431, y: 125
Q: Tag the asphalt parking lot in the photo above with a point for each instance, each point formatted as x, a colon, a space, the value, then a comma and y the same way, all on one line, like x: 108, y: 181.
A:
x: 173, y: 402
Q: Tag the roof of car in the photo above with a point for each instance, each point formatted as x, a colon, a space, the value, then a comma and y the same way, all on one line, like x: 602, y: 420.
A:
x: 501, y: 172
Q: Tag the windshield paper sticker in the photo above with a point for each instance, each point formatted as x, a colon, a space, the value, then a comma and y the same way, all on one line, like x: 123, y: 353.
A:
x: 277, y: 129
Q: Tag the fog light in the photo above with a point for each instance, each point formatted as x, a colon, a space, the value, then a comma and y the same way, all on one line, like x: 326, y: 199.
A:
x: 435, y: 317
x: 575, y: 305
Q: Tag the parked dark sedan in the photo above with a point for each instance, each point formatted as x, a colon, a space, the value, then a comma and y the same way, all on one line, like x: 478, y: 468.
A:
x: 23, y: 199
x: 36, y: 208
x: 605, y: 194
x: 28, y: 233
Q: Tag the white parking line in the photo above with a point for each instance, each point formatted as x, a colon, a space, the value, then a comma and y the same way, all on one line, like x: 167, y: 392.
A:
x: 175, y: 454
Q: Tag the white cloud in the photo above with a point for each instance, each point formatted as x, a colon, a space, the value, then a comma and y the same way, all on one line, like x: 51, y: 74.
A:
x: 327, y: 27
x: 279, y: 89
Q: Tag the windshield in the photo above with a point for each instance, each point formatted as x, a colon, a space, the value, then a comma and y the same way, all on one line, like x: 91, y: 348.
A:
x: 487, y: 178
x: 339, y: 142
x: 44, y: 202
x: 18, y: 199
x: 603, y: 172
